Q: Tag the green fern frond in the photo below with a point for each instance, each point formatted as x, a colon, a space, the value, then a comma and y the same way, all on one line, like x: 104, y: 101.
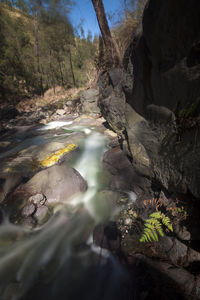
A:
x: 156, y: 215
x: 153, y: 227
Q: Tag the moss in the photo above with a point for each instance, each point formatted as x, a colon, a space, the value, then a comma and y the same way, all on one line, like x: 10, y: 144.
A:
x: 190, y: 110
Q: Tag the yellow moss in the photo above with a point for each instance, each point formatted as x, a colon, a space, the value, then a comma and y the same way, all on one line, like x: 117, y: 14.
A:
x: 53, y: 158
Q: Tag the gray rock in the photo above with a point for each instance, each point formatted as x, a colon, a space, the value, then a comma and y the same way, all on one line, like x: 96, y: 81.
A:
x: 38, y: 199
x: 28, y: 222
x: 112, y: 109
x: 58, y: 183
x: 159, y: 114
x: 28, y: 210
x: 182, y: 233
x: 89, y: 100
x: 123, y: 176
x: 60, y: 112
x: 42, y: 214
x: 164, y: 73
x: 69, y: 103
x: 112, y: 99
x: 171, y: 282
x: 116, y: 76
x: 8, y: 182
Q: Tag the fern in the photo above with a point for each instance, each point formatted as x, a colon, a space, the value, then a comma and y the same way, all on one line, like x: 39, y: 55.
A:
x: 153, y: 227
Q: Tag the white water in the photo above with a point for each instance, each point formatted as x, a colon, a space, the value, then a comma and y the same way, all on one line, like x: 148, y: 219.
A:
x: 55, y: 124
x: 59, y: 249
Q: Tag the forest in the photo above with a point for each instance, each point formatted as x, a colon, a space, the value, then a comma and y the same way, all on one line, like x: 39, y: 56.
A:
x: 40, y: 50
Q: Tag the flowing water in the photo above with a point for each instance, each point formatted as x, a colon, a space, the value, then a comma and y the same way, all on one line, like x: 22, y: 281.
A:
x: 59, y: 260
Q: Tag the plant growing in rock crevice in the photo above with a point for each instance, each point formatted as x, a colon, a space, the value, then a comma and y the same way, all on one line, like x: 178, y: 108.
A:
x: 154, y: 227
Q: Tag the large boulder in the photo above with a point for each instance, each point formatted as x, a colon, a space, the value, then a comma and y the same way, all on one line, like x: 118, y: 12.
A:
x: 112, y: 100
x: 89, y: 99
x: 57, y: 183
x: 166, y: 57
x: 123, y: 176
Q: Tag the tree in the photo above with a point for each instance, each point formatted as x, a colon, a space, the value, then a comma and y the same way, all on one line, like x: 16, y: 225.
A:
x: 105, y: 31
x: 39, y: 50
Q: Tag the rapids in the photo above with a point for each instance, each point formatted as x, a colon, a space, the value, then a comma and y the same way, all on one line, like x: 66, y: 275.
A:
x: 59, y: 260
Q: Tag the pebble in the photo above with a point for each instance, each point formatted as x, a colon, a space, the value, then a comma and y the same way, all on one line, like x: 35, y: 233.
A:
x: 38, y: 199
x: 128, y: 221
x: 41, y: 214
x: 28, y: 210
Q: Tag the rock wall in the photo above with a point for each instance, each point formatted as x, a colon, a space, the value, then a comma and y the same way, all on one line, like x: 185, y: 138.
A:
x: 166, y: 57
x: 160, y: 83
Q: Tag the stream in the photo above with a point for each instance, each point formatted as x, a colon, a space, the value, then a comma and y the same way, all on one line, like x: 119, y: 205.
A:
x: 58, y: 259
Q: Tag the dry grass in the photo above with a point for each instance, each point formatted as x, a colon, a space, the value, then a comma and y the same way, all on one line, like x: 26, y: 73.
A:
x: 61, y: 96
x: 123, y: 34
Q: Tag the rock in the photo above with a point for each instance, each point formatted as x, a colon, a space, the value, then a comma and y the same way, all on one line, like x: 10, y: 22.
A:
x: 42, y: 214
x: 107, y: 236
x: 136, y: 127
x: 170, y: 279
x: 60, y: 112
x: 69, y: 103
x: 58, y: 183
x: 165, y: 71
x: 35, y: 212
x: 89, y: 99
x: 123, y: 176
x: 8, y: 182
x: 115, y: 76
x: 159, y: 114
x: 112, y: 108
x: 40, y: 152
x: 38, y: 200
x: 28, y: 222
x: 28, y: 210
x: 8, y: 112
x: 110, y: 133
x: 112, y: 85
x: 182, y: 233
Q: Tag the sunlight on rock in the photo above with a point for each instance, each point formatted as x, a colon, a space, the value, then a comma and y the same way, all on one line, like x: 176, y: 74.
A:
x: 110, y: 133
x: 54, y: 158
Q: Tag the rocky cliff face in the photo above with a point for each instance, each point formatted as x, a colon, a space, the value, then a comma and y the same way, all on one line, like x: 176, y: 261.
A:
x: 155, y: 103
x: 167, y: 56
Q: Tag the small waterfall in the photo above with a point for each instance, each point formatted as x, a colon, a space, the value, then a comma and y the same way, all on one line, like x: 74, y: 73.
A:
x: 55, y: 261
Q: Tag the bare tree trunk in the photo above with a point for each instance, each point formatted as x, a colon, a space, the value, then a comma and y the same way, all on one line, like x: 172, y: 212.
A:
x: 52, y: 72
x: 71, y: 66
x: 61, y: 73
x: 105, y: 31
x: 36, y: 31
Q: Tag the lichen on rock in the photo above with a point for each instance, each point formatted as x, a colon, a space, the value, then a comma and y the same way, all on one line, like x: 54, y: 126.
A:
x: 54, y: 158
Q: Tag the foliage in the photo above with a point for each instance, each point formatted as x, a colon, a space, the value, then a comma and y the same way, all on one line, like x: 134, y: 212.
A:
x: 190, y: 110
x: 154, y: 227
x: 39, y: 49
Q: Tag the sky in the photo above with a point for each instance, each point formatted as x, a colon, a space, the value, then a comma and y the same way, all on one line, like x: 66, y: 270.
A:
x: 83, y: 12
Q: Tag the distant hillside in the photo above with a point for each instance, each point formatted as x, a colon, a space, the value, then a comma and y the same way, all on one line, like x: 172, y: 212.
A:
x: 40, y: 51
